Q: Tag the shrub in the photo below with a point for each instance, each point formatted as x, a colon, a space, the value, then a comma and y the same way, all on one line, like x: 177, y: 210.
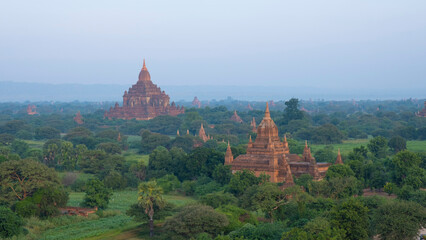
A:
x: 218, y: 199
x: 10, y: 223
x: 194, y: 219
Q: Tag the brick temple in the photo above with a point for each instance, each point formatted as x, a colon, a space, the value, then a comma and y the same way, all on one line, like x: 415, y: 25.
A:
x: 269, y: 155
x: 422, y: 113
x: 144, y: 101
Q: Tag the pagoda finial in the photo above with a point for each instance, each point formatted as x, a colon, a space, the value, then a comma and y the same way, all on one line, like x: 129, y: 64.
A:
x: 267, y: 113
x: 306, y: 143
x: 339, y: 158
x: 144, y: 66
x: 250, y: 139
x: 285, y: 137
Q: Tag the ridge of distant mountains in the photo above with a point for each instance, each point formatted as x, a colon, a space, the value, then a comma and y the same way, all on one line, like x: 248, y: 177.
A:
x: 21, y: 92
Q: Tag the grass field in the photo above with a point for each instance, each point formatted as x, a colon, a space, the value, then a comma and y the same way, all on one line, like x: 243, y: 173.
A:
x: 132, y: 156
x: 35, y: 143
x: 416, y: 146
x: 348, y: 145
x: 345, y: 147
x: 102, y: 228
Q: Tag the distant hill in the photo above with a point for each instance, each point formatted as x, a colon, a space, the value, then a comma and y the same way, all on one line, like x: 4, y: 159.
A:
x: 20, y: 92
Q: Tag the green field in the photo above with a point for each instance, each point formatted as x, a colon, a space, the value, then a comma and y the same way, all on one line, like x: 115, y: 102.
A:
x: 348, y: 145
x: 133, y: 156
x: 99, y: 228
x: 35, y: 143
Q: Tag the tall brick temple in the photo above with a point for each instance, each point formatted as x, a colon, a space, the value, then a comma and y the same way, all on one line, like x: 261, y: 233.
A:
x: 144, y: 101
x: 271, y: 156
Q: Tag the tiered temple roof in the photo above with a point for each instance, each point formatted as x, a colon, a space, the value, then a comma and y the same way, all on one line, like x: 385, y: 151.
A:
x: 271, y: 156
x: 202, y: 134
x: 144, y: 101
x: 236, y: 118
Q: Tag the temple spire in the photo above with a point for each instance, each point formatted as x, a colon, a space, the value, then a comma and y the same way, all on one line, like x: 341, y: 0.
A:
x: 267, y: 113
x: 339, y: 158
x: 229, y: 158
x: 144, y: 66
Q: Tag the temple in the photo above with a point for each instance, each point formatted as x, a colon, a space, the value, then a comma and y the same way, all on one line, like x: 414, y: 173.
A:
x: 31, y: 110
x: 78, y: 118
x: 202, y: 134
x: 422, y: 113
x: 271, y: 156
x: 196, y: 102
x: 236, y: 118
x: 144, y: 101
x: 253, y: 125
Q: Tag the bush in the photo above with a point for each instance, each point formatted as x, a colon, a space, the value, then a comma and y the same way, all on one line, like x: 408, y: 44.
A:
x: 97, y: 195
x: 10, y: 223
x: 237, y: 217
x: 194, y: 219
x: 168, y: 183
x: 218, y: 199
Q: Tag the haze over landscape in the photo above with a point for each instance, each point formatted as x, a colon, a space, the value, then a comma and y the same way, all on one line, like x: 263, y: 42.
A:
x: 305, y: 49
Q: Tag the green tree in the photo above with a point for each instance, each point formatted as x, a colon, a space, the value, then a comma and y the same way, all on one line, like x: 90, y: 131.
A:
x: 406, y: 169
x: 21, y: 179
x: 339, y: 171
x: 399, y: 220
x: 351, y: 216
x: 222, y: 174
x: 6, y: 139
x: 218, y: 199
x: 20, y: 147
x: 150, y: 196
x: 47, y: 133
x: 97, y: 195
x: 241, y: 180
x: 160, y: 163
x: 397, y: 144
x: 378, y: 146
x: 292, y: 112
x: 109, y: 147
x: 150, y: 141
x: 10, y: 223
x: 192, y: 220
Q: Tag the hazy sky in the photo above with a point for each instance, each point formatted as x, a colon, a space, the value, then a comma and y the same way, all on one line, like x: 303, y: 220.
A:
x: 329, y: 43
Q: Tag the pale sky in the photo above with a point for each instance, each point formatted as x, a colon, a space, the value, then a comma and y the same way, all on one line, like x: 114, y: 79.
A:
x: 331, y: 43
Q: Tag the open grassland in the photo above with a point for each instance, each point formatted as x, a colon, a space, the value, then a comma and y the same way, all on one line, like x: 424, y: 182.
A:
x: 416, y: 146
x: 133, y: 156
x: 35, y: 143
x: 106, y: 227
x: 345, y: 147
x: 348, y: 145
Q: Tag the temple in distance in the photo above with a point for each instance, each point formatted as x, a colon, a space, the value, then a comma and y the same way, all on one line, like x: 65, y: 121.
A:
x: 144, y: 101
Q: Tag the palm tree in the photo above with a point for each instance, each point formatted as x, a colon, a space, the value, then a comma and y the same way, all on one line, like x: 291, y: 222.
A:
x: 150, y: 195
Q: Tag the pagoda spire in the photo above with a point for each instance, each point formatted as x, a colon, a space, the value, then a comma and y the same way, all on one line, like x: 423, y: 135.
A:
x: 267, y: 113
x: 339, y: 158
x: 229, y: 158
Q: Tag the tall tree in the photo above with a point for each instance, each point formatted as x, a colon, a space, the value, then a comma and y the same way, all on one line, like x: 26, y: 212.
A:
x: 150, y: 196
x: 20, y: 179
x: 292, y: 112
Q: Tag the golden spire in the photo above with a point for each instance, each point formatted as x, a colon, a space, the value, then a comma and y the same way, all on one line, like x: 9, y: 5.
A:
x: 267, y: 113
x: 250, y: 139
x: 144, y: 66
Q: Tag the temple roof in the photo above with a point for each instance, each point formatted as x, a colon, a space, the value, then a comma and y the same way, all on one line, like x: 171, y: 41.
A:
x: 144, y: 74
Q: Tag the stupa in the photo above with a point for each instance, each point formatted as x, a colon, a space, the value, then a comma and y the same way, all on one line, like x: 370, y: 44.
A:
x: 236, y: 118
x: 144, y: 101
